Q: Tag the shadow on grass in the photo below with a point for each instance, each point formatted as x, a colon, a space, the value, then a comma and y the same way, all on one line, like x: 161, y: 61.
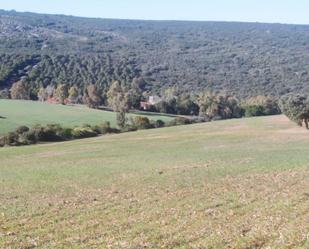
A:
x: 1, y: 117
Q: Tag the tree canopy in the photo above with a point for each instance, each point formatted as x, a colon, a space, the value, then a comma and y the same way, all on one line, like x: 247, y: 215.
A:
x: 242, y: 59
x: 296, y: 108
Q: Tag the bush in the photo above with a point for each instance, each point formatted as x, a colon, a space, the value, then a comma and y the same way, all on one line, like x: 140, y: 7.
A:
x: 141, y: 122
x: 260, y: 106
x: 11, y: 139
x: 182, y: 121
x: 64, y: 133
x: 159, y: 123
x: 21, y: 136
x: 30, y: 135
x: 22, y: 129
x: 105, y: 128
x: 50, y: 133
x: 27, y: 138
x: 54, y: 133
x: 97, y: 129
x: 128, y: 128
x: 83, y: 132
x: 200, y: 119
x: 254, y: 111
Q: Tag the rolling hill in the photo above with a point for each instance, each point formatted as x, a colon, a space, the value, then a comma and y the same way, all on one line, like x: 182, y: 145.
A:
x: 227, y: 184
x: 16, y: 113
x: 244, y: 59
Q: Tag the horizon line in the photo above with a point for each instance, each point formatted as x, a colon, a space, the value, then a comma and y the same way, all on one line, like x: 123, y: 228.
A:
x: 153, y: 20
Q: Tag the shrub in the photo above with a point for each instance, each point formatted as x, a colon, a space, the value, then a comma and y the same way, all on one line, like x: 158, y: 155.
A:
x: 64, y: 133
x: 54, y: 133
x: 141, y: 122
x: 105, y: 128
x: 21, y: 129
x: 83, y: 132
x: 200, y: 119
x: 27, y: 138
x: 129, y: 128
x: 97, y: 129
x: 11, y: 139
x: 159, y: 123
x: 182, y: 121
x: 30, y: 135
x: 260, y: 106
x: 253, y: 110
x: 21, y: 136
x: 50, y: 133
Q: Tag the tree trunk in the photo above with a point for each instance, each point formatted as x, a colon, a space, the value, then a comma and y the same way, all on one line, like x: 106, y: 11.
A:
x: 306, y: 123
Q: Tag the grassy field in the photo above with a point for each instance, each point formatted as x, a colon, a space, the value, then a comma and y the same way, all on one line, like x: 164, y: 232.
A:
x: 227, y: 184
x: 16, y: 113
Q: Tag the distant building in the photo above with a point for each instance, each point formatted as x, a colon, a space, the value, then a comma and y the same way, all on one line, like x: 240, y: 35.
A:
x: 152, y: 100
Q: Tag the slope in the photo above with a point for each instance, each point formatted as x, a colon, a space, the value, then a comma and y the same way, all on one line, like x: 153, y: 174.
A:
x: 227, y: 184
x: 15, y: 113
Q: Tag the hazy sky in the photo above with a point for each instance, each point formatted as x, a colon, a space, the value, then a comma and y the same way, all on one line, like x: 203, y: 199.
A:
x: 283, y: 11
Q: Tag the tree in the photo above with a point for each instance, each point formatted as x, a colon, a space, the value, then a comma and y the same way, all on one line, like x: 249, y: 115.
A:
x: 219, y: 106
x: 19, y: 90
x: 170, y: 93
x: 169, y: 99
x: 4, y: 94
x: 73, y: 94
x: 186, y: 106
x: 135, y: 94
x: 209, y: 106
x: 91, y: 96
x: 167, y: 106
x: 62, y: 93
x: 260, y: 105
x: 118, y: 101
x: 296, y: 108
x: 50, y: 91
x: 42, y: 94
x: 121, y: 118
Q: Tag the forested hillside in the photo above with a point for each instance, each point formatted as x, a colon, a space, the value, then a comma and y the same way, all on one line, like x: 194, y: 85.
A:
x: 243, y: 59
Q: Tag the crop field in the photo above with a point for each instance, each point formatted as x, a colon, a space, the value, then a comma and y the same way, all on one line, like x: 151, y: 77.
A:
x: 239, y: 184
x: 14, y: 113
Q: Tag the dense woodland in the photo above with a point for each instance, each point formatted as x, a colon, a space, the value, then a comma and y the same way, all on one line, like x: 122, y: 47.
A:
x: 239, y: 59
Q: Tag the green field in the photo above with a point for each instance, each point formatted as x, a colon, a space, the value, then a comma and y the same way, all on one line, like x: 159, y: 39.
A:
x: 227, y: 184
x: 16, y: 113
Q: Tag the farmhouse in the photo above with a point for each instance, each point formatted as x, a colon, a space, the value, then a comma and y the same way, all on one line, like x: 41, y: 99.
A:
x: 152, y: 100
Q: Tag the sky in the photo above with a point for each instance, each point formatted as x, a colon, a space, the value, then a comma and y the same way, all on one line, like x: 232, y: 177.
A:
x: 272, y: 11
